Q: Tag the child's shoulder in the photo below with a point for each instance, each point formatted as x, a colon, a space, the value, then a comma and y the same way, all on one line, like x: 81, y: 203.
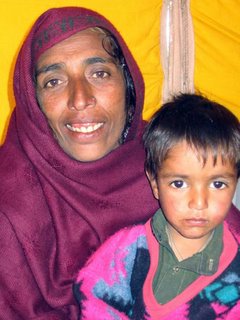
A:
x: 126, y: 236
x: 125, y: 240
x: 106, y: 283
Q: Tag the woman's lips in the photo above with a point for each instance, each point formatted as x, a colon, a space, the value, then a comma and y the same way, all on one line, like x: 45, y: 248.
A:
x: 84, y: 128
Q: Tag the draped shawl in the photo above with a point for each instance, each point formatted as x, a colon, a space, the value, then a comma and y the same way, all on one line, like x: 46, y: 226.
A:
x: 55, y: 211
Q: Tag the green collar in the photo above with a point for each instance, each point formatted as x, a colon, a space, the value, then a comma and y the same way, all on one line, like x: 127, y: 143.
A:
x: 204, y: 262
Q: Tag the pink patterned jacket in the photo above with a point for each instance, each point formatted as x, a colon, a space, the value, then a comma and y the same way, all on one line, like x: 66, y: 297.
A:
x: 116, y: 282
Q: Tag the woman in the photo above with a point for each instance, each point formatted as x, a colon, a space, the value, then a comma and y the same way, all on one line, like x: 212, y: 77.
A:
x: 72, y: 163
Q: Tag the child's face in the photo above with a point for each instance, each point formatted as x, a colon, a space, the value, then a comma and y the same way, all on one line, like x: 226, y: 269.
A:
x: 194, y: 198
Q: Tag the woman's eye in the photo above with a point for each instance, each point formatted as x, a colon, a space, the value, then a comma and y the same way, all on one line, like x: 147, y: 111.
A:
x: 218, y: 185
x: 178, y: 184
x: 52, y: 83
x: 100, y: 74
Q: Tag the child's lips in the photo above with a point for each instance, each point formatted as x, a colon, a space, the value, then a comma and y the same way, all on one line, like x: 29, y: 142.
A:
x: 196, y: 222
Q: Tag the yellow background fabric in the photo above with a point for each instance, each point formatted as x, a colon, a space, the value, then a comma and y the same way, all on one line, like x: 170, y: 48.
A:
x: 217, y: 50
x: 217, y: 45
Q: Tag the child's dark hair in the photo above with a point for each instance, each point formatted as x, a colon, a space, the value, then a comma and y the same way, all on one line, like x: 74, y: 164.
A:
x: 204, y: 124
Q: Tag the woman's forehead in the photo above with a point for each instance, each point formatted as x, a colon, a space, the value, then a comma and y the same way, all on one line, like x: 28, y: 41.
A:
x: 86, y: 43
x: 88, y: 35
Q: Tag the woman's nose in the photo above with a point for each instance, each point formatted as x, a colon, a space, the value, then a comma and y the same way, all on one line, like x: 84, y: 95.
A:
x: 80, y: 95
x: 198, y: 199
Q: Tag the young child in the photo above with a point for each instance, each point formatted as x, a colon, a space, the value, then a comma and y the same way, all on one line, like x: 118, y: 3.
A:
x: 184, y: 262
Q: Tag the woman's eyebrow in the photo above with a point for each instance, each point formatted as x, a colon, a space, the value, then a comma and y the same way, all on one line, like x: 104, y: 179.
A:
x: 94, y: 60
x: 47, y: 68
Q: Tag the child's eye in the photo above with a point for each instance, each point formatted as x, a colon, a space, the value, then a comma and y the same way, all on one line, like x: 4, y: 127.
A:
x: 218, y: 185
x: 178, y: 184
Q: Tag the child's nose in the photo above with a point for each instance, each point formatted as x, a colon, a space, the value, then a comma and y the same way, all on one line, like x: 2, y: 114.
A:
x: 198, y: 199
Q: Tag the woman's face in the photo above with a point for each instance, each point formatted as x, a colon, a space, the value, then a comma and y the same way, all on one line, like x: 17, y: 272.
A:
x: 81, y: 90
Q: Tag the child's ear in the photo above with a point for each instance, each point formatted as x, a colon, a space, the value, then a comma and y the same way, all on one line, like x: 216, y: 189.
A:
x: 153, y: 184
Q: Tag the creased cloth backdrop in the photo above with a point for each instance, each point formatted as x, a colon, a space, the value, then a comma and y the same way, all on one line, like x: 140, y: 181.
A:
x: 216, y: 26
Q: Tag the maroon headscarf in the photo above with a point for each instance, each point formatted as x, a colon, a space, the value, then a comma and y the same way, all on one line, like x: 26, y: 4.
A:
x: 55, y: 211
